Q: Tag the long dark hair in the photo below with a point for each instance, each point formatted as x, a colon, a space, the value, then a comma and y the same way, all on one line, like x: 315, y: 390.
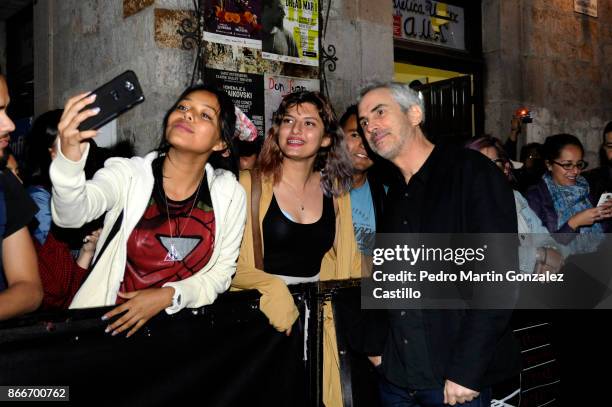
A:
x: 333, y: 161
x: 39, y: 141
x: 227, y: 159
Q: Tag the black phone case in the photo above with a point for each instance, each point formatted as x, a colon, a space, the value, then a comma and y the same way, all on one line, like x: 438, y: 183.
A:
x: 114, y: 98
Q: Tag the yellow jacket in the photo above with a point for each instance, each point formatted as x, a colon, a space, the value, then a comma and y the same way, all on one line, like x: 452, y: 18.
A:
x: 342, y: 261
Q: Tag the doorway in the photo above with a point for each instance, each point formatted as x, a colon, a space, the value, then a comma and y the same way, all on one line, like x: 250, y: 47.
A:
x: 448, y: 97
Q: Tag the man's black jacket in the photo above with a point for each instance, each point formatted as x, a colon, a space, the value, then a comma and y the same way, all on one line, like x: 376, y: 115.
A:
x: 455, y: 191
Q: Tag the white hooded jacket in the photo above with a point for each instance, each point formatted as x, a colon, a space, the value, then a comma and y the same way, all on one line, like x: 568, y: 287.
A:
x: 122, y: 190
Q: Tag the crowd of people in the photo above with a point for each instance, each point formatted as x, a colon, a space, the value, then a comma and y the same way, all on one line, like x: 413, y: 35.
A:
x: 206, y: 212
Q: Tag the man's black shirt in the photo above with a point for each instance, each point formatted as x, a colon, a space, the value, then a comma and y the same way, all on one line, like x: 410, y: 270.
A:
x: 455, y: 191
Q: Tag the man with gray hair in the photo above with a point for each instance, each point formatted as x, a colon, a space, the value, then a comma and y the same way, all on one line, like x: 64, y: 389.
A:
x: 433, y: 357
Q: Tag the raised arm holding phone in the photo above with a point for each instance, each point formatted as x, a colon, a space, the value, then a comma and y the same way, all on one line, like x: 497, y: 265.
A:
x: 174, y: 219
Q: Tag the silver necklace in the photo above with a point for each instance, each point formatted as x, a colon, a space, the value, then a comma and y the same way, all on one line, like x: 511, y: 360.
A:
x: 300, y: 201
x: 175, y: 252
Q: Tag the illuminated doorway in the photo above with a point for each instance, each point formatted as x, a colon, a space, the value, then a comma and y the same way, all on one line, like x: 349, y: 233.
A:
x: 448, y: 97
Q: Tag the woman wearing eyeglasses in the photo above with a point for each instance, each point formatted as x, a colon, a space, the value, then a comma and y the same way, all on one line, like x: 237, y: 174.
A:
x: 561, y: 198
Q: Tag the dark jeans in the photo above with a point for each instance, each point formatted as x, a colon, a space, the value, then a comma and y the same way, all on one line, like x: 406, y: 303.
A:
x: 392, y: 395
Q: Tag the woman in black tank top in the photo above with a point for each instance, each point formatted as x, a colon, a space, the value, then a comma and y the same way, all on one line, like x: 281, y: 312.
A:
x: 306, y: 173
x: 299, y: 226
x: 304, y: 215
x: 290, y: 249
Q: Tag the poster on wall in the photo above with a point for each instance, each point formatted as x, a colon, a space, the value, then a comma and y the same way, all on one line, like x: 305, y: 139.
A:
x: 429, y: 22
x: 233, y: 22
x: 277, y: 86
x: 233, y: 58
x: 290, y: 31
x: 246, y: 91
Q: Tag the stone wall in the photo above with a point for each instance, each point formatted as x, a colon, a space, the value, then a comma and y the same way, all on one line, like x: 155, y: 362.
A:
x: 81, y: 44
x: 362, y: 33
x: 556, y: 62
x: 538, y: 53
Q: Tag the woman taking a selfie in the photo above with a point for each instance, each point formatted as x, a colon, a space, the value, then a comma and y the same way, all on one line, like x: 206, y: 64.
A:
x: 174, y: 219
x: 304, y: 231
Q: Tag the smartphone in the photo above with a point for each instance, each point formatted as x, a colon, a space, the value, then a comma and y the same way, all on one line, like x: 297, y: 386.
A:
x: 604, y: 197
x: 114, y: 98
